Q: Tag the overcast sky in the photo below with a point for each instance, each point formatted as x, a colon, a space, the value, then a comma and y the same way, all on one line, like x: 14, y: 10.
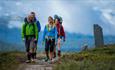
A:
x: 78, y: 15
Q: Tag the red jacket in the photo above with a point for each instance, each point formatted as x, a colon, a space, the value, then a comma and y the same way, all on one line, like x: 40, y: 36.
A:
x: 60, y: 30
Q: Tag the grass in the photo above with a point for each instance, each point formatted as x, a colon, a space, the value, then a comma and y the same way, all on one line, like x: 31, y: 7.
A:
x: 96, y: 59
x: 10, y: 60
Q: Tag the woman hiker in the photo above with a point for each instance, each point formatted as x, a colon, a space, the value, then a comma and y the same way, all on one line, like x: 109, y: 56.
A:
x: 60, y: 35
x: 49, y: 38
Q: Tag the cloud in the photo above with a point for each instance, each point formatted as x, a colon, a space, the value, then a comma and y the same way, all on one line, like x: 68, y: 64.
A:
x: 14, y: 24
x: 18, y: 3
x: 79, y: 16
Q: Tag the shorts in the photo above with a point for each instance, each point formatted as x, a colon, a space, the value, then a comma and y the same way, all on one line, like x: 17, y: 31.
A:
x: 49, y: 45
x: 59, y: 37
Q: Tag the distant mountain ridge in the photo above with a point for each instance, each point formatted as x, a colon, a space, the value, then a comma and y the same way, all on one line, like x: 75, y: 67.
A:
x: 74, y: 41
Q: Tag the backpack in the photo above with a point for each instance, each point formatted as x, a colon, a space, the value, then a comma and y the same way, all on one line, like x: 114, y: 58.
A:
x: 60, y: 20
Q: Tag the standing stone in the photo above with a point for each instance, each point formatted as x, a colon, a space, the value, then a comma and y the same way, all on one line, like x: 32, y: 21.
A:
x: 98, y: 36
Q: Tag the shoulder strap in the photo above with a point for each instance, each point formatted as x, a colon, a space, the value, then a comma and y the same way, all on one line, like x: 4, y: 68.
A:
x: 33, y: 26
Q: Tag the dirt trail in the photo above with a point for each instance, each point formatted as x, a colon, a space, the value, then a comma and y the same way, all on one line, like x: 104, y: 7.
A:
x: 39, y: 64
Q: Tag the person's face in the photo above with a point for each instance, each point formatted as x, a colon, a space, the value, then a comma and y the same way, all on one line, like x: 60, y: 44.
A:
x: 30, y: 18
x: 33, y: 15
x: 56, y: 21
x: 50, y: 20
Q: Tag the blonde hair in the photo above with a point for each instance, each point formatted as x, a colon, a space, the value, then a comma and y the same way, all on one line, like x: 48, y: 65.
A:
x: 52, y: 20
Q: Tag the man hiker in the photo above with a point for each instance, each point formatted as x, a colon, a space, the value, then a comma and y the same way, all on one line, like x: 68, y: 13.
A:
x: 60, y: 35
x: 49, y: 37
x: 30, y: 36
x: 38, y: 26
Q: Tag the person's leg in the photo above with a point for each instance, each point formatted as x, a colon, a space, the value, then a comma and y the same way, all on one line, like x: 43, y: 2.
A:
x: 52, y: 45
x: 59, y: 40
x: 59, y: 51
x: 35, y: 49
x: 27, y: 44
x: 47, y: 49
x: 32, y: 49
x: 54, y: 52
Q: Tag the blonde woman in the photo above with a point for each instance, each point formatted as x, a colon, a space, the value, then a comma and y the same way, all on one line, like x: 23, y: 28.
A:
x: 49, y: 37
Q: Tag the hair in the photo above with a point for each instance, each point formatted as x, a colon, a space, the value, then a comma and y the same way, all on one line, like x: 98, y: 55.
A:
x: 50, y: 17
x: 52, y: 20
x: 32, y: 13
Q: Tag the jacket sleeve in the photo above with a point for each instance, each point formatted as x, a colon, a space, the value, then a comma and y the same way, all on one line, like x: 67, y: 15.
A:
x: 36, y: 31
x: 22, y: 31
x: 39, y: 26
x: 44, y: 33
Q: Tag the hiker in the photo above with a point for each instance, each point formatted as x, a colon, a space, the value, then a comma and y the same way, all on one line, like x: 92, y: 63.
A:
x: 30, y: 36
x: 60, y: 35
x: 49, y: 37
x: 38, y: 26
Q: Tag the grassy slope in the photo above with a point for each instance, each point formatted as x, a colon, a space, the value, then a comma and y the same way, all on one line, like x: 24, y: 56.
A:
x: 10, y: 60
x: 96, y: 59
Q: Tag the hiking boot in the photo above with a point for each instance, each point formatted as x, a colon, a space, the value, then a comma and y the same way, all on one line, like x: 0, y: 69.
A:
x: 46, y: 59
x: 32, y: 60
x: 59, y: 53
x: 28, y: 61
x: 50, y: 61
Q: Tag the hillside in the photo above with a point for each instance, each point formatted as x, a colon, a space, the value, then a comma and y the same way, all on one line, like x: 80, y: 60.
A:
x: 5, y: 47
x: 96, y: 59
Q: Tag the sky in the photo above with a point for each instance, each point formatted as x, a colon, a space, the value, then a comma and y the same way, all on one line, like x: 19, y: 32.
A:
x: 78, y: 15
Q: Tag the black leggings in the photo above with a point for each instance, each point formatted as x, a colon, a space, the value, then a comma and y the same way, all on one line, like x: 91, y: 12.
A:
x: 49, y: 45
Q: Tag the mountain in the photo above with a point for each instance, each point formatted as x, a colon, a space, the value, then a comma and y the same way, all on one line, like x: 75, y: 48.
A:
x: 74, y: 42
x: 10, y: 47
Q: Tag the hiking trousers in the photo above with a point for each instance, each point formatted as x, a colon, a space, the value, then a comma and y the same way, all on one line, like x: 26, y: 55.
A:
x: 31, y: 47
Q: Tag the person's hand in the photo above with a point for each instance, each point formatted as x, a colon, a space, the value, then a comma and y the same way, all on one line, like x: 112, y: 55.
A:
x: 64, y: 39
x: 23, y: 39
x: 35, y: 39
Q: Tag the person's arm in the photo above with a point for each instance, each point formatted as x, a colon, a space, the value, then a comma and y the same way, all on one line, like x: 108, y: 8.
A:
x: 36, y: 31
x: 22, y: 31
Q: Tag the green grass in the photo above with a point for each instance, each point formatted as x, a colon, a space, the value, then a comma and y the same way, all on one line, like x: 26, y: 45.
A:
x: 10, y: 60
x: 96, y: 59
